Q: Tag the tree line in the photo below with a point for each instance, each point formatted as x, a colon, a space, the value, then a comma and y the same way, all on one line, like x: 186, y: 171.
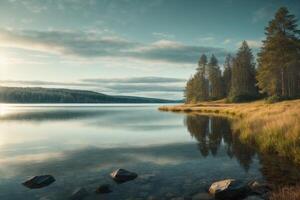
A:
x: 51, y: 95
x: 277, y: 74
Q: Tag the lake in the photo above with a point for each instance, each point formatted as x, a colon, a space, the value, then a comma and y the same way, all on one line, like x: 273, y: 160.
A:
x: 175, y: 155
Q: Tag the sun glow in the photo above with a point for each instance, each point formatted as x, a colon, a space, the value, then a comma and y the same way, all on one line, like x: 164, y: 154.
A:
x: 3, y: 59
x: 3, y: 110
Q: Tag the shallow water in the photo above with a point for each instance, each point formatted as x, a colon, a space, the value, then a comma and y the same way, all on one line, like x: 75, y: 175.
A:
x: 175, y: 155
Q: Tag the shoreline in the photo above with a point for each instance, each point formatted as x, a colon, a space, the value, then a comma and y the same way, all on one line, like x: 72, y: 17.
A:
x: 273, y: 128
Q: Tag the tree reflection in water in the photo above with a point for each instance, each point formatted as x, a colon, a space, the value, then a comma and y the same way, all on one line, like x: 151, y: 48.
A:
x: 212, y: 132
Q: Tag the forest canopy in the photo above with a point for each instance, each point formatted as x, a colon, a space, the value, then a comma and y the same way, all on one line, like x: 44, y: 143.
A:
x: 277, y: 74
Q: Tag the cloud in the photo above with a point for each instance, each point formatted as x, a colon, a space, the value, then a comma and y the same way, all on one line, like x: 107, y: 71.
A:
x: 163, y: 35
x: 89, y: 44
x: 227, y: 41
x: 148, y: 79
x: 129, y: 88
x: 252, y: 43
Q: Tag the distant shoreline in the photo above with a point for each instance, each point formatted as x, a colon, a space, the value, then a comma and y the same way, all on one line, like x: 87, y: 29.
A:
x: 38, y: 95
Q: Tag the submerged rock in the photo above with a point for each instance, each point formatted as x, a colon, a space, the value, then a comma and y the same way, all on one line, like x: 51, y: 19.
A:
x: 229, y: 189
x: 79, y: 194
x: 39, y: 181
x: 122, y: 175
x: 102, y: 189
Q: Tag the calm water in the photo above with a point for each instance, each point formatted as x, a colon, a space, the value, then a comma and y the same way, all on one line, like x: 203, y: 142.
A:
x: 175, y: 155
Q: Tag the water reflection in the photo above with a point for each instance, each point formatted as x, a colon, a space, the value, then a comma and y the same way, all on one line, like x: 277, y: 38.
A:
x: 214, y: 132
x: 80, y: 146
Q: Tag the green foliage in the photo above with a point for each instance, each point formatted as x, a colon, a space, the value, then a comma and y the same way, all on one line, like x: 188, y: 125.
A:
x: 216, y: 90
x: 278, y: 73
x: 273, y: 99
x: 279, y: 58
x: 243, y: 76
x: 227, y: 74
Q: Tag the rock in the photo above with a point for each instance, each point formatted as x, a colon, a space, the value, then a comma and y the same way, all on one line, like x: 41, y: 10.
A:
x: 102, y: 189
x: 122, y: 175
x: 202, y: 196
x: 39, y: 181
x: 228, y: 189
x: 79, y: 194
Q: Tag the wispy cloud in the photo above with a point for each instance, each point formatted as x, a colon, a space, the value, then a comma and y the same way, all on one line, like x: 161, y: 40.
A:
x: 87, y: 44
x: 163, y: 35
x: 148, y: 79
x: 227, y: 41
x: 252, y: 43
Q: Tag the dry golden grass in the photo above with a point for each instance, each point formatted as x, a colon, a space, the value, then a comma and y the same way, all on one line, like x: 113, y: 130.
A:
x: 274, y: 127
x: 286, y: 193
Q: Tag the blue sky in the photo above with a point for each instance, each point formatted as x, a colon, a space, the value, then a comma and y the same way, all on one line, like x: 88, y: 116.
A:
x: 124, y: 47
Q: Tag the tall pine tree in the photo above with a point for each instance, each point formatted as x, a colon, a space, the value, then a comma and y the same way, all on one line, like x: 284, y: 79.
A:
x: 227, y: 74
x: 215, y: 79
x: 201, y: 80
x: 243, y: 75
x: 279, y: 58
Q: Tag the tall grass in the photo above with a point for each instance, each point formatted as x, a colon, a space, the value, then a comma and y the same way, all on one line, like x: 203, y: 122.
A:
x: 286, y: 193
x: 272, y: 127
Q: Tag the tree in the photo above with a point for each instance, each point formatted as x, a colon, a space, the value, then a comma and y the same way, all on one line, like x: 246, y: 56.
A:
x: 215, y: 79
x: 227, y: 74
x: 201, y: 81
x: 279, y: 58
x: 189, y: 91
x: 197, y: 86
x: 243, y: 75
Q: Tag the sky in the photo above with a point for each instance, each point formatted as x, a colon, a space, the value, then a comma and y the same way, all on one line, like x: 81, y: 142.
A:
x: 124, y: 47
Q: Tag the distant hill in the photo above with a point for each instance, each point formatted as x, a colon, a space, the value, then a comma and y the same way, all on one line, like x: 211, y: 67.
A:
x: 47, y: 95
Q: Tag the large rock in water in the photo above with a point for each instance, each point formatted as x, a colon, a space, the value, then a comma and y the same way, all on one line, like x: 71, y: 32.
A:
x: 122, y: 175
x: 229, y: 189
x: 39, y: 181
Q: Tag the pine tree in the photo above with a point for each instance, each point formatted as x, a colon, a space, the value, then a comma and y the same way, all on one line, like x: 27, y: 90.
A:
x: 227, y: 74
x: 279, y: 58
x: 200, y: 79
x: 215, y: 79
x: 243, y: 75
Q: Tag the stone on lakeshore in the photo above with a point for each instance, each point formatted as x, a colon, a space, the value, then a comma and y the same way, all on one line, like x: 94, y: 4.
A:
x: 228, y: 189
x: 39, y: 181
x: 79, y: 194
x: 122, y: 175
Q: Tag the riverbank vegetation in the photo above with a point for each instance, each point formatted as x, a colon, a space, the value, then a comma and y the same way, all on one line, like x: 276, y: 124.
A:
x: 276, y: 76
x: 272, y: 127
x: 272, y: 124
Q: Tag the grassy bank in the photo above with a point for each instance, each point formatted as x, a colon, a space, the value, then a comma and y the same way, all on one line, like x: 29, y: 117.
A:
x: 272, y: 127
